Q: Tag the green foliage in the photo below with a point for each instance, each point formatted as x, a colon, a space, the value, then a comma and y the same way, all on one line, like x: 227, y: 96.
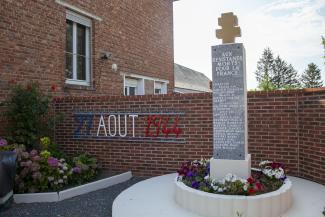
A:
x: 85, y: 168
x: 235, y: 187
x: 290, y: 79
x: 266, y: 84
x: 280, y: 69
x: 311, y: 78
x: 265, y: 66
x: 46, y: 144
x: 28, y: 113
x: 275, y: 74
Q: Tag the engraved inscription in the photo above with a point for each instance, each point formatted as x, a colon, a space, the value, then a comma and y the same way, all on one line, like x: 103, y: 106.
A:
x: 229, y: 101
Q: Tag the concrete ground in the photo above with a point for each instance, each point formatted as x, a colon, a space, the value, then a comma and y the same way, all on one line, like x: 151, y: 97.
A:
x: 94, y: 204
x: 155, y: 198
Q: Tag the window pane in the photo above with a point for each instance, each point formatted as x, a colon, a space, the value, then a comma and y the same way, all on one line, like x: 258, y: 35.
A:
x: 68, y: 66
x: 125, y: 91
x: 81, y: 68
x: 81, y: 40
x: 69, y: 36
x: 157, y: 91
x: 132, y: 91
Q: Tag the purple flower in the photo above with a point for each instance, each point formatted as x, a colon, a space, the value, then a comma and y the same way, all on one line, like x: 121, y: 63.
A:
x: 208, y: 168
x: 189, y: 174
x: 53, y: 162
x: 3, y: 142
x: 76, y: 170
x: 33, y: 153
x: 195, y: 184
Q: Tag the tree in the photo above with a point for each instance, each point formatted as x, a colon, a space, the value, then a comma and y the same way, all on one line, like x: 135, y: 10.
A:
x: 323, y: 41
x: 265, y: 66
x: 290, y: 79
x: 311, y: 77
x: 265, y: 84
x: 280, y: 69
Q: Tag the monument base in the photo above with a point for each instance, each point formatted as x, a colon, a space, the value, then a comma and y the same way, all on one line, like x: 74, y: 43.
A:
x: 219, y: 168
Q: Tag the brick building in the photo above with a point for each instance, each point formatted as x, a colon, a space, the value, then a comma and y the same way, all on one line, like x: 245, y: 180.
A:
x: 88, y: 47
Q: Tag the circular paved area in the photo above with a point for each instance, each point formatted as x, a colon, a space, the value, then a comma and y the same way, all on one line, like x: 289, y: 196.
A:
x: 155, y: 198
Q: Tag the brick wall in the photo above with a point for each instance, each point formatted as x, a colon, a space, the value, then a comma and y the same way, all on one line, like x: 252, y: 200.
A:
x: 285, y: 126
x: 138, y: 33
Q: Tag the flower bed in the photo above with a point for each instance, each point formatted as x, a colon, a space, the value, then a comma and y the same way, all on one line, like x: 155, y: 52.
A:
x: 269, y: 177
x: 266, y: 193
x: 41, y: 166
x: 45, y: 171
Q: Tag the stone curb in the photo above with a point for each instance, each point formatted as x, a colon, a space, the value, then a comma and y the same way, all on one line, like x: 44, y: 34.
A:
x: 72, y: 192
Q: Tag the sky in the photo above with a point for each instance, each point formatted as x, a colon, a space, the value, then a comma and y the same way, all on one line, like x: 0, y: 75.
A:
x: 291, y: 28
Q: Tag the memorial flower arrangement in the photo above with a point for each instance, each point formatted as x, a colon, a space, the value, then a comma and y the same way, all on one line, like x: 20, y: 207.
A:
x: 269, y: 177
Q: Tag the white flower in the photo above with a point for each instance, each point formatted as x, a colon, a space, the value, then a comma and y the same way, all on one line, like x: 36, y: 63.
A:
x: 61, y: 171
x: 220, y: 190
x: 60, y: 181
x: 264, y: 162
x: 55, y: 183
x: 65, y: 168
x: 65, y: 177
x: 50, y: 178
x: 244, y: 181
x: 206, y: 177
x: 245, y: 187
x: 62, y: 160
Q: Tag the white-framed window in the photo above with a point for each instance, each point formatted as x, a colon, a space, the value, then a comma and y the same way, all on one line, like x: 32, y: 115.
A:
x: 77, y: 49
x: 135, y: 84
x: 131, y: 87
x: 160, y: 87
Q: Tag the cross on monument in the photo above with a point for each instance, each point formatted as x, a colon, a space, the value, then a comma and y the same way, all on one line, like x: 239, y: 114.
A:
x: 230, y: 29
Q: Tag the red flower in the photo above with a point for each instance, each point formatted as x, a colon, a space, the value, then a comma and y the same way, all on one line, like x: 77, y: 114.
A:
x: 258, y: 186
x: 54, y: 87
x: 251, y: 191
x: 250, y: 180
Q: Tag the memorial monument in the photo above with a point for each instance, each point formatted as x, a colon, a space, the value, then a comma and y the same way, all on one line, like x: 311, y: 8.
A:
x: 230, y: 153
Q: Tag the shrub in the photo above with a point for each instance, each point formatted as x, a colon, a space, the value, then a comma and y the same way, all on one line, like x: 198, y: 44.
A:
x: 39, y: 172
x: 85, y: 168
x: 29, y: 116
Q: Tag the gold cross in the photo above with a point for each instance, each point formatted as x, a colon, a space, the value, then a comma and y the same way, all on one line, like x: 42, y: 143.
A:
x: 230, y: 29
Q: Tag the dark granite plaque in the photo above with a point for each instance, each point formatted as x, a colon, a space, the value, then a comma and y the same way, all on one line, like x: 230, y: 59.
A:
x: 229, y: 102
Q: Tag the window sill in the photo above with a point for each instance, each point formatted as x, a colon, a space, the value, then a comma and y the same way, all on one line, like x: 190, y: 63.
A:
x: 78, y: 87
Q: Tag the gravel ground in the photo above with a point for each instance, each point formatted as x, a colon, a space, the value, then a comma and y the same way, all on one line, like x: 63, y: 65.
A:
x: 94, y: 204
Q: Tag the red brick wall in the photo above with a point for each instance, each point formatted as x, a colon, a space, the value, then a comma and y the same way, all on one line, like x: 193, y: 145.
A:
x: 285, y: 126
x: 138, y: 33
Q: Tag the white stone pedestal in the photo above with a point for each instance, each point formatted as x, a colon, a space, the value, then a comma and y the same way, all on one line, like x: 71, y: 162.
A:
x: 219, y: 168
